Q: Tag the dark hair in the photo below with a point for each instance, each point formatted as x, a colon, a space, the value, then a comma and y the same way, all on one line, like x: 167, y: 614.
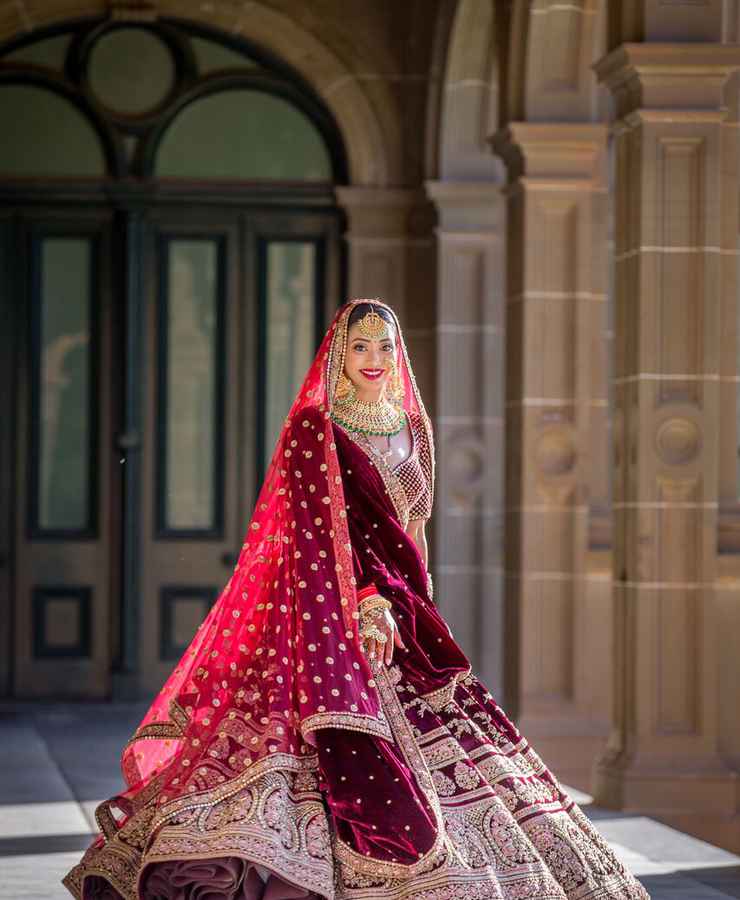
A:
x: 363, y: 309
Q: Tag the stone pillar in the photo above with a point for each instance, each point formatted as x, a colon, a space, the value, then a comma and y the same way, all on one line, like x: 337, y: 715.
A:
x: 558, y: 609
x: 676, y: 205
x: 391, y: 255
x: 467, y: 550
x: 376, y: 241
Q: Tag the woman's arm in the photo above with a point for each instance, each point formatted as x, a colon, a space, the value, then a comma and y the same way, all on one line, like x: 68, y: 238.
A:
x: 415, y: 529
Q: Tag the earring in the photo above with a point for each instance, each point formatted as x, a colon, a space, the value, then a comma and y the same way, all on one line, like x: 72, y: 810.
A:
x: 345, y: 390
x: 396, y: 390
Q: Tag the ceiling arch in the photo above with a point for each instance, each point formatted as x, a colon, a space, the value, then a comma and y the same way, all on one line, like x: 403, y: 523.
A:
x: 371, y: 129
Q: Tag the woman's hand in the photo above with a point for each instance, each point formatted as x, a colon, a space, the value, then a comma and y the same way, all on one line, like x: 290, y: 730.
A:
x: 386, y: 625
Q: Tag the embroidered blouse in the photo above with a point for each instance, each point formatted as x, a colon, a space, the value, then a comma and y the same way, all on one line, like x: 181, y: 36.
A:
x: 410, y: 486
x: 410, y: 482
x: 413, y: 473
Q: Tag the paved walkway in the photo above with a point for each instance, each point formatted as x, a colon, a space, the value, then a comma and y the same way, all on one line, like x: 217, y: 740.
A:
x: 61, y: 760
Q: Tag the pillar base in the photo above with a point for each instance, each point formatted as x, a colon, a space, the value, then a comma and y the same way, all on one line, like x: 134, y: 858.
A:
x: 702, y: 800
x: 567, y: 744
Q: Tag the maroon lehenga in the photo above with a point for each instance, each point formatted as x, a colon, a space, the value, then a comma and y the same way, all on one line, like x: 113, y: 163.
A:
x: 279, y: 762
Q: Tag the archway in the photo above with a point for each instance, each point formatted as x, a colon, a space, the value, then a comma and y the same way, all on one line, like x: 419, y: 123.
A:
x: 151, y: 268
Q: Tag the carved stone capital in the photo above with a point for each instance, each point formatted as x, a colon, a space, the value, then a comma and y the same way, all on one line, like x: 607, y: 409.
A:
x: 381, y: 212
x: 689, y: 80
x: 553, y: 154
x: 467, y: 206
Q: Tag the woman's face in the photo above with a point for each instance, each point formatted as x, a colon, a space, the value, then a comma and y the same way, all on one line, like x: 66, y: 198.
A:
x: 368, y: 363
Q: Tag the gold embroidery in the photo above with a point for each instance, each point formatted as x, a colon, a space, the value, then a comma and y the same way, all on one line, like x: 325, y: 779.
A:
x: 173, y: 728
x: 212, y: 796
x: 504, y: 829
x: 105, y: 819
x: 350, y: 721
x: 275, y: 817
x: 440, y: 697
x: 442, y: 753
x: 415, y: 474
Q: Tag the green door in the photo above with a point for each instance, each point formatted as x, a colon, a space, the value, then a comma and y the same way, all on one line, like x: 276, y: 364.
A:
x: 169, y: 255
x: 237, y: 301
x: 60, y: 572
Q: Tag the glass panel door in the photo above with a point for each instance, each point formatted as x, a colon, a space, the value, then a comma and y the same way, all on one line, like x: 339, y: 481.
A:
x: 63, y: 408
x: 65, y: 535
x: 293, y: 282
x: 290, y: 311
x: 191, y: 385
x: 236, y: 307
x: 190, y: 488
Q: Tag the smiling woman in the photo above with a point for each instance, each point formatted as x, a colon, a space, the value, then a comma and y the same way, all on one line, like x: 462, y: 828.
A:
x: 369, y: 406
x: 324, y: 736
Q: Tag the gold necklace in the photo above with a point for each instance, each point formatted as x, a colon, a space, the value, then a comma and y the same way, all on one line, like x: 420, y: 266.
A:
x: 369, y: 416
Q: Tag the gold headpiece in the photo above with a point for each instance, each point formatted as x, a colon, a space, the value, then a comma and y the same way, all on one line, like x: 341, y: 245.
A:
x: 373, y: 326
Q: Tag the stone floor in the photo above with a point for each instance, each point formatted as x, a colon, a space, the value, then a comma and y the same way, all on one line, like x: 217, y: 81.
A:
x: 60, y: 760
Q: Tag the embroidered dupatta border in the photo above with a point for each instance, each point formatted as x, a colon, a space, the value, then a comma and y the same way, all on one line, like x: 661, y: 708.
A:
x: 173, y: 728
x: 275, y: 764
x: 212, y: 796
x: 120, y: 863
x: 348, y: 722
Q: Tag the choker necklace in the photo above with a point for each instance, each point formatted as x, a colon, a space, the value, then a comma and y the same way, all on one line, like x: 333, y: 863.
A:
x: 369, y: 416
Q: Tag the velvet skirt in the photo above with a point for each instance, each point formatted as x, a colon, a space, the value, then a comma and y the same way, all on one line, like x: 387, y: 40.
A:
x: 451, y: 802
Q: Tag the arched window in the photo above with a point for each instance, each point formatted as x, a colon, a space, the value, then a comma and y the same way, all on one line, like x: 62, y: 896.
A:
x: 41, y: 120
x: 243, y: 134
x: 172, y: 259
x: 143, y: 100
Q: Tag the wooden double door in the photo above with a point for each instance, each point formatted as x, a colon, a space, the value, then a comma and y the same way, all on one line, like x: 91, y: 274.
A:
x: 148, y: 360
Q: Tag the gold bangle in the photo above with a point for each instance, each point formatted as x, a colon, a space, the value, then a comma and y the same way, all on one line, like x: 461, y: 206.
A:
x: 373, y: 598
x: 372, y: 603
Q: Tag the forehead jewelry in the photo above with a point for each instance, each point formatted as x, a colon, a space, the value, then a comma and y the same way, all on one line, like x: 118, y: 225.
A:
x: 373, y: 326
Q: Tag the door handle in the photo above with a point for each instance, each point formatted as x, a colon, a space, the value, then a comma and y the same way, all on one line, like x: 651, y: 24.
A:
x: 128, y: 440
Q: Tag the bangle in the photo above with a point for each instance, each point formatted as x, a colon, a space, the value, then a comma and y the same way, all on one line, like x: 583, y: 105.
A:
x: 369, y: 597
x: 372, y: 603
x: 368, y: 591
x: 430, y: 585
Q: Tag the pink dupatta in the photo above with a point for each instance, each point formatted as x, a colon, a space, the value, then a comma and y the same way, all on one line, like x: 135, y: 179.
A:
x: 278, y: 656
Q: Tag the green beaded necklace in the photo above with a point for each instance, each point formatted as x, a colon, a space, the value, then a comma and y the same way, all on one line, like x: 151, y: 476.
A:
x: 369, y: 417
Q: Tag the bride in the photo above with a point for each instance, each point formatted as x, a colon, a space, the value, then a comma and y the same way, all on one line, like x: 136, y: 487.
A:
x: 323, y: 736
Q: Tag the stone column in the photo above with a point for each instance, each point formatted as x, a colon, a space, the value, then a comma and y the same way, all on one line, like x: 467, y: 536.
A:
x: 376, y: 241
x: 558, y: 609
x: 391, y: 255
x: 467, y: 551
x: 676, y: 197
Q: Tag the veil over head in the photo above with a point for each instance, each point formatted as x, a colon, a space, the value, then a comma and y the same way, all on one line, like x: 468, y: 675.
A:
x: 279, y: 654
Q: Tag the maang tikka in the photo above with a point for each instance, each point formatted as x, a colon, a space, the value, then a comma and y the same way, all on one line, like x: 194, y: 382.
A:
x: 375, y: 327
